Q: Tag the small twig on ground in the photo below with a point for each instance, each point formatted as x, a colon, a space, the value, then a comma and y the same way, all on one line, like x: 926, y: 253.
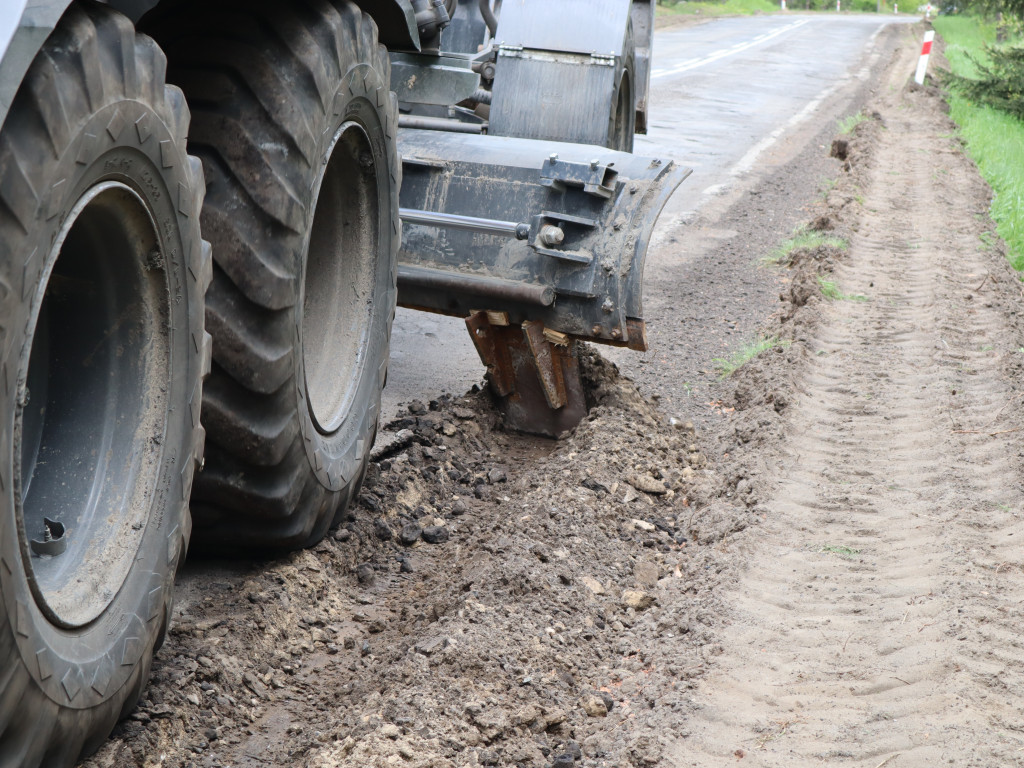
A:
x: 890, y: 757
x: 929, y: 624
x: 847, y: 640
x: 1000, y: 411
x: 783, y: 727
x: 985, y: 280
x: 900, y: 679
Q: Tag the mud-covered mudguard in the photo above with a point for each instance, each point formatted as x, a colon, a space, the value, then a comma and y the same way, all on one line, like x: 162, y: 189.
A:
x: 539, y: 231
x: 25, y: 25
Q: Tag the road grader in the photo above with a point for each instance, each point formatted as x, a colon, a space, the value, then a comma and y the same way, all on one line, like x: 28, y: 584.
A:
x: 209, y: 210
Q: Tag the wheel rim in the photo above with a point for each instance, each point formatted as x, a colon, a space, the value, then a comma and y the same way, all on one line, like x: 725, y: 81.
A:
x: 339, y: 283
x: 92, y: 410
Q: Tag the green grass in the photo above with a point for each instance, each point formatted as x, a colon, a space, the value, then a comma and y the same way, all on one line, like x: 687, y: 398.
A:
x: 994, y: 140
x: 749, y: 7
x: 831, y: 291
x: 847, y: 124
x: 727, y: 8
x: 841, y: 551
x: 803, y: 239
x: 727, y: 366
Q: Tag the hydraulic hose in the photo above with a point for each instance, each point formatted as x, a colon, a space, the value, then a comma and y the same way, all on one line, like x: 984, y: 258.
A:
x: 489, y: 18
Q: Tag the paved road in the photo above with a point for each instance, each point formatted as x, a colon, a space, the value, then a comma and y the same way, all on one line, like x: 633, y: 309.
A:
x: 722, y: 94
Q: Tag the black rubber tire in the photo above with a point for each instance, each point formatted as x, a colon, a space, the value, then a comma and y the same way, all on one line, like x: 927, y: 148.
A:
x: 270, y: 85
x: 98, y: 198
x: 622, y: 121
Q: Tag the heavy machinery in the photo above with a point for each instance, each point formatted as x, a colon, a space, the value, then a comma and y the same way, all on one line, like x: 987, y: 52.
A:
x: 208, y: 212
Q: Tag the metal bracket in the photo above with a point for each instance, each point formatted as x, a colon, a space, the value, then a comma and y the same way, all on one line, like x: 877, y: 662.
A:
x: 603, y: 59
x: 547, y: 229
x: 595, y: 178
x: 418, y: 78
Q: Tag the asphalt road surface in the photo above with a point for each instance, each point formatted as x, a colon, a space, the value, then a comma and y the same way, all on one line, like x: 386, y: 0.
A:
x: 725, y: 95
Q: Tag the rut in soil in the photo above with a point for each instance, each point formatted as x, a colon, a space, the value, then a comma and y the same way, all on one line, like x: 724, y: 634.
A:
x: 878, y: 621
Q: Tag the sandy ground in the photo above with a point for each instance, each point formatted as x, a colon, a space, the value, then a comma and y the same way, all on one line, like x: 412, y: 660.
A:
x: 875, y: 622
x: 826, y: 573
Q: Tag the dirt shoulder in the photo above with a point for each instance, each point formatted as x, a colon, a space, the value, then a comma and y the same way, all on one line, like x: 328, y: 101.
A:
x: 604, y: 601
x: 875, y: 620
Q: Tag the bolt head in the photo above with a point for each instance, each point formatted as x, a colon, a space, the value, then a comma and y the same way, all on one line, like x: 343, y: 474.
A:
x: 551, y: 235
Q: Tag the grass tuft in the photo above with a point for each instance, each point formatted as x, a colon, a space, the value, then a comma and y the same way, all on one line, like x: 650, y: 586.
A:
x: 803, y: 239
x: 847, y: 124
x: 840, y: 551
x: 727, y: 366
x: 830, y: 290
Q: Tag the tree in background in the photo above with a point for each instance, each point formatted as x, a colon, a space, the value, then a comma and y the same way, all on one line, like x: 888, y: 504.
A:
x: 999, y: 82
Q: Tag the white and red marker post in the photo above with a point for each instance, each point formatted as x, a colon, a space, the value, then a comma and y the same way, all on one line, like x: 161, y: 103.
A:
x: 922, y: 63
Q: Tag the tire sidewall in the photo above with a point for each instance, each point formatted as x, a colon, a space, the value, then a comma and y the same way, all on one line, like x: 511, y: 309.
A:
x: 338, y: 459
x: 625, y: 73
x: 80, y: 668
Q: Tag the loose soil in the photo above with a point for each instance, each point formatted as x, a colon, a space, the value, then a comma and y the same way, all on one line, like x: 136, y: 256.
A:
x: 824, y: 573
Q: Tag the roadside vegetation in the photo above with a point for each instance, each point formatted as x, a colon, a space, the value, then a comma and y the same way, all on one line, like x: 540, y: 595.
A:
x: 985, y: 73
x: 726, y: 366
x: 750, y: 7
x: 803, y: 239
x: 726, y: 8
x: 831, y: 291
x: 847, y: 124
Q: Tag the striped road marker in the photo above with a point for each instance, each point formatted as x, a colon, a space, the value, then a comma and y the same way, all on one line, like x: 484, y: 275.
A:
x: 922, y: 63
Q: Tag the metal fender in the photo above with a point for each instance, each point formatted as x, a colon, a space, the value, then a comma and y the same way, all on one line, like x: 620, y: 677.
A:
x: 560, y: 66
x: 536, y: 230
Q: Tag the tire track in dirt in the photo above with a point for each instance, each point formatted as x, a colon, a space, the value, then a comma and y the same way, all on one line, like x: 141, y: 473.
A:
x: 877, y: 622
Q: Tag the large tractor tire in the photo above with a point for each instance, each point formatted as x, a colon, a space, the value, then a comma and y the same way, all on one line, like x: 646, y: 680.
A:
x: 296, y: 126
x: 102, y: 358
x: 622, y: 119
